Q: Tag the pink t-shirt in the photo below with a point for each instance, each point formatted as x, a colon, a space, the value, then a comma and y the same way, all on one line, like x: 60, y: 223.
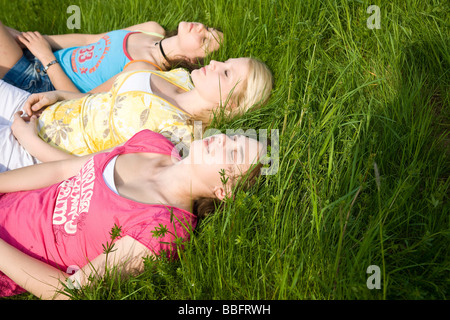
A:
x: 66, y: 224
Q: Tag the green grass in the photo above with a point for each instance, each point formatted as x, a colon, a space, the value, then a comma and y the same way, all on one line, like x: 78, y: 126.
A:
x: 363, y: 179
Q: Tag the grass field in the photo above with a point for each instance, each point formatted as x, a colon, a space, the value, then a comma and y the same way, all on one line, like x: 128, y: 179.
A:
x: 363, y: 179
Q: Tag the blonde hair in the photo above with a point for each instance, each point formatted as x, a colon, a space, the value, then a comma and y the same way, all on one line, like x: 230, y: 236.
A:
x: 254, y: 92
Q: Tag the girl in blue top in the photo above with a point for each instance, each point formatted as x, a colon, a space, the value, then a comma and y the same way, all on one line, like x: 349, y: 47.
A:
x: 90, y: 62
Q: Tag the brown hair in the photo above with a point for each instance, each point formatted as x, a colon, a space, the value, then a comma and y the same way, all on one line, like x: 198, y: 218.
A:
x: 182, y: 63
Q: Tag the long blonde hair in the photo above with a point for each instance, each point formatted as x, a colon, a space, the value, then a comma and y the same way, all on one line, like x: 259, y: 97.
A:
x: 257, y: 88
x: 254, y: 93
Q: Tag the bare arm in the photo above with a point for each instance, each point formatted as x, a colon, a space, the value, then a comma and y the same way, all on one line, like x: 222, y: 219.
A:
x: 59, y: 78
x: 42, y: 50
x: 46, y: 282
x: 26, y: 134
x: 31, y: 274
x: 45, y: 174
x: 25, y: 128
x: 15, y: 34
x: 40, y: 175
x: 149, y: 26
x: 43, y: 46
x: 61, y: 41
x: 38, y: 101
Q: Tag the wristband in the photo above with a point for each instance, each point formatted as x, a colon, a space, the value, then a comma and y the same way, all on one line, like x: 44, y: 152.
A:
x: 49, y: 64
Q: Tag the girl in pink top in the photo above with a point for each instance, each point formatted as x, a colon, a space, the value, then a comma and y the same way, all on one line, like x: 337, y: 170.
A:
x: 55, y: 216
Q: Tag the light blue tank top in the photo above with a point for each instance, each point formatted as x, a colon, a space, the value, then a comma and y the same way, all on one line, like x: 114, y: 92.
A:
x: 91, y: 65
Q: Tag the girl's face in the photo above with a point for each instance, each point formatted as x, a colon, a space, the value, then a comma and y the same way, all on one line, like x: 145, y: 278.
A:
x: 233, y: 154
x: 217, y: 80
x: 197, y: 40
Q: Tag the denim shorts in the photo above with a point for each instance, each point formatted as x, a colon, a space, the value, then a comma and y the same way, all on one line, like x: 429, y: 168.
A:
x: 28, y: 74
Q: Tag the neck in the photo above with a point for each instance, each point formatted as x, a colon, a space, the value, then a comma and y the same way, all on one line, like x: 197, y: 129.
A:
x: 161, y: 51
x: 193, y: 104
x: 171, y: 49
x: 157, y: 55
x: 179, y: 192
x: 189, y: 101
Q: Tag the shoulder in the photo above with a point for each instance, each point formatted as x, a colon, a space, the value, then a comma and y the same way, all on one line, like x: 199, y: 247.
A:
x: 149, y: 26
x: 122, y: 77
x: 161, y: 229
x: 138, y: 65
x: 176, y: 221
x: 152, y: 142
x: 180, y: 77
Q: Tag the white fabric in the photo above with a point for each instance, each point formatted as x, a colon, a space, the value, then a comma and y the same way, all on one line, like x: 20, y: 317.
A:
x: 12, y: 154
x: 139, y: 81
x: 12, y: 99
x: 108, y: 175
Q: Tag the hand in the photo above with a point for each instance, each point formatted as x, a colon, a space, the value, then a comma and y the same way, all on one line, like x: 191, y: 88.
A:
x: 24, y: 128
x: 38, y: 46
x: 37, y: 101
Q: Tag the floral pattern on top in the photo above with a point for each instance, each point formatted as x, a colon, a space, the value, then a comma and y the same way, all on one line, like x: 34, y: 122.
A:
x: 103, y: 120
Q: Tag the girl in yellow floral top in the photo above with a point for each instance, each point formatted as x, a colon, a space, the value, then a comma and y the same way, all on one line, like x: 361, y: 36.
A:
x: 165, y: 102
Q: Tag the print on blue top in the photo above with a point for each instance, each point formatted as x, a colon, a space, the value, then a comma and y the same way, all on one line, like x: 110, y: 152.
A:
x: 91, y: 65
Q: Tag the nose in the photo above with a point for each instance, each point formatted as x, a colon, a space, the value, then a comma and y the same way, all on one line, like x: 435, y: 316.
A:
x: 214, y: 64
x: 200, y: 27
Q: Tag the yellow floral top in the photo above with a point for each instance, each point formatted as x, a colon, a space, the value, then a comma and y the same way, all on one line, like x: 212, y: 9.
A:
x: 100, y: 121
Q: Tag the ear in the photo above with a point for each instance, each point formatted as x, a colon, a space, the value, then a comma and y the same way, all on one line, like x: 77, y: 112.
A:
x: 221, y: 193
x: 230, y: 107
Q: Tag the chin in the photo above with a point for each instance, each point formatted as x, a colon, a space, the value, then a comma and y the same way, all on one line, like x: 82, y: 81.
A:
x: 182, y: 26
x: 194, y: 74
